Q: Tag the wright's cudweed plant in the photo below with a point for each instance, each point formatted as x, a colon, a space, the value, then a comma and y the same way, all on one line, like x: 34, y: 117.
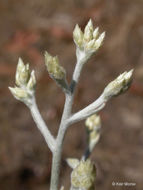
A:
x: 87, y: 43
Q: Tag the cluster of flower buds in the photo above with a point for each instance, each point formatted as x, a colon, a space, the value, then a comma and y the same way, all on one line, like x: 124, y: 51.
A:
x: 56, y: 71
x: 83, y: 174
x: 93, y: 126
x: 119, y: 85
x: 25, y: 82
x: 89, y: 41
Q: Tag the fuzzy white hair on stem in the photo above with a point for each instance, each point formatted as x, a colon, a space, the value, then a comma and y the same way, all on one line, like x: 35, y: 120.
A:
x: 87, y: 43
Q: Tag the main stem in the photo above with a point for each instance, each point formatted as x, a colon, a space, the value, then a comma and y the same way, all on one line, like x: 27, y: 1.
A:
x: 56, y: 161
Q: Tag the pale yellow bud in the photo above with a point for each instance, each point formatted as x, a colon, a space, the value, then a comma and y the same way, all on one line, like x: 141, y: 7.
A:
x: 19, y: 93
x: 99, y: 41
x: 26, y: 83
x: 90, y: 25
x: 55, y: 70
x: 119, y: 85
x: 20, y: 64
x: 90, y: 45
x: 72, y: 162
x: 93, y: 125
x: 22, y: 73
x: 83, y: 176
x: 95, y: 33
x: 32, y: 81
x: 89, y: 41
x: 93, y: 121
x: 48, y: 57
x: 88, y: 31
x: 78, y: 36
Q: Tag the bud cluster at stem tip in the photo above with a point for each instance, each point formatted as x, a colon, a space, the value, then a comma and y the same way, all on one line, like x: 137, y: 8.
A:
x: 90, y: 40
x: 25, y: 82
x: 119, y: 85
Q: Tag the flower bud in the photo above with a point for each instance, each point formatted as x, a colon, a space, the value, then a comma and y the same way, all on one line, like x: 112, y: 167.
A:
x: 19, y: 93
x: 55, y: 70
x: 72, y: 162
x: 99, y: 41
x: 83, y: 176
x: 32, y: 81
x: 119, y: 85
x: 88, y: 42
x: 93, y: 122
x: 90, y: 45
x: 26, y: 83
x: 95, y: 33
x: 78, y: 36
x: 88, y: 31
x: 93, y: 125
x: 22, y: 73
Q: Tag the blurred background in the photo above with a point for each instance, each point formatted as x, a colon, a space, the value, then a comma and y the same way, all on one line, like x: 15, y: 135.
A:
x: 27, y: 29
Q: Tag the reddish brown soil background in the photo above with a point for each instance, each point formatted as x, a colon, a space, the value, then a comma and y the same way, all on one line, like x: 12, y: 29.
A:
x: 27, y: 29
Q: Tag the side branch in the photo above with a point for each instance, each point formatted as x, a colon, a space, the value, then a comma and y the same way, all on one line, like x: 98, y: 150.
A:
x: 42, y: 126
x: 89, y: 110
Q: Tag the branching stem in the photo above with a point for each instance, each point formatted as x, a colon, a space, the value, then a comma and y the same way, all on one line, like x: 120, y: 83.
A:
x: 56, y: 162
x: 93, y: 108
x: 42, y: 125
x: 87, y: 43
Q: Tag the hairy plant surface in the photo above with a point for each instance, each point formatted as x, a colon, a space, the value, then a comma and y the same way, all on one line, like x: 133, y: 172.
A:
x: 87, y: 43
